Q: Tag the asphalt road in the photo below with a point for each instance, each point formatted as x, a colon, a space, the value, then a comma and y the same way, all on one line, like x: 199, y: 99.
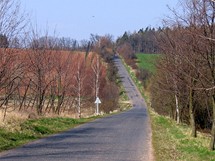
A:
x: 121, y: 137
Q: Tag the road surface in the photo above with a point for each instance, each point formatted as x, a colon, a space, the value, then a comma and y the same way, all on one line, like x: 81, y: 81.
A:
x: 121, y: 137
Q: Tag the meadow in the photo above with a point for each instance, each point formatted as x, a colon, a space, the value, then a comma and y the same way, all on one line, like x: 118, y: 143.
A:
x: 147, y: 61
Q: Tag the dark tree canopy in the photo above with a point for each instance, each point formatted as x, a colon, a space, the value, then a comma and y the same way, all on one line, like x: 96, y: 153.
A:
x: 143, y: 41
x: 4, y: 43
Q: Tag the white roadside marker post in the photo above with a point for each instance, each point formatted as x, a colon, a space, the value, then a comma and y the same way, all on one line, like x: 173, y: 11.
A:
x: 97, y: 102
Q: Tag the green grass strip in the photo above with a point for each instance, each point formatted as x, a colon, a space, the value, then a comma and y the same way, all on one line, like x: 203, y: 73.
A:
x: 173, y: 142
x: 35, y: 129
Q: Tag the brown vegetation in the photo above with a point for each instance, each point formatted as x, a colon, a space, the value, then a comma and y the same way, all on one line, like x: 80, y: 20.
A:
x: 44, y: 81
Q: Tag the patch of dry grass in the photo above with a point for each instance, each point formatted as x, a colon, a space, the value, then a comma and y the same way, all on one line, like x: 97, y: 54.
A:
x: 12, y: 120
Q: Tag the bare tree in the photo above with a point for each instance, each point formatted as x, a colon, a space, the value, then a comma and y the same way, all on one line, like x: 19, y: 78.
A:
x: 96, y: 67
x: 12, y: 23
x: 201, y: 20
x: 64, y: 72
x: 12, y: 19
x: 194, y: 47
x: 79, y: 82
x: 40, y: 70
x: 98, y: 76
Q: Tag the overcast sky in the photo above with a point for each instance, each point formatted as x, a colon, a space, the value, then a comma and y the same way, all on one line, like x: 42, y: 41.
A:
x: 79, y: 18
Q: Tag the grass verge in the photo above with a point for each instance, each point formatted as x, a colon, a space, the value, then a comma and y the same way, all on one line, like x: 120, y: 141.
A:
x: 21, y: 132
x: 173, y: 142
x: 35, y: 129
x: 133, y: 76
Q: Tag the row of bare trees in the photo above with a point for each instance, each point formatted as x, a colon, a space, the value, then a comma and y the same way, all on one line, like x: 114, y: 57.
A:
x: 49, y: 80
x: 44, y: 74
x: 184, y: 86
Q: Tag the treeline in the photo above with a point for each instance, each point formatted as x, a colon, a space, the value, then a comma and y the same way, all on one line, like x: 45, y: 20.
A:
x: 143, y: 41
x: 184, y: 85
x: 51, y: 42
x: 44, y: 81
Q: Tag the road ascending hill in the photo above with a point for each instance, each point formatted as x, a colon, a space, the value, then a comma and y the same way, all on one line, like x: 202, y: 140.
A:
x: 121, y: 137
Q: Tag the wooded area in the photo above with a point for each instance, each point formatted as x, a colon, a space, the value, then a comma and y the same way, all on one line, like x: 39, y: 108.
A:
x: 183, y: 86
x: 53, y: 81
x: 42, y: 74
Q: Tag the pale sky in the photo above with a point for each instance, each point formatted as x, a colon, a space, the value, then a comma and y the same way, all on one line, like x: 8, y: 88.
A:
x: 79, y: 18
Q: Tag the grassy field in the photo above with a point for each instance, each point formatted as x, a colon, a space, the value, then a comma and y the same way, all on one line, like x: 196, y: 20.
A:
x: 172, y: 142
x: 147, y: 61
x: 30, y: 130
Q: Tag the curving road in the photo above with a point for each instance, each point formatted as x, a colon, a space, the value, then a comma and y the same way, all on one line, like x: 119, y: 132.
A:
x: 121, y: 137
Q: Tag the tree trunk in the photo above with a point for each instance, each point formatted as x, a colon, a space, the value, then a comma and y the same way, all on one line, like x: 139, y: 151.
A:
x: 212, y: 142
x: 192, y: 114
x: 177, y: 110
x: 79, y: 102
x: 25, y: 95
x: 59, y: 95
x: 40, y: 103
x: 79, y: 81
